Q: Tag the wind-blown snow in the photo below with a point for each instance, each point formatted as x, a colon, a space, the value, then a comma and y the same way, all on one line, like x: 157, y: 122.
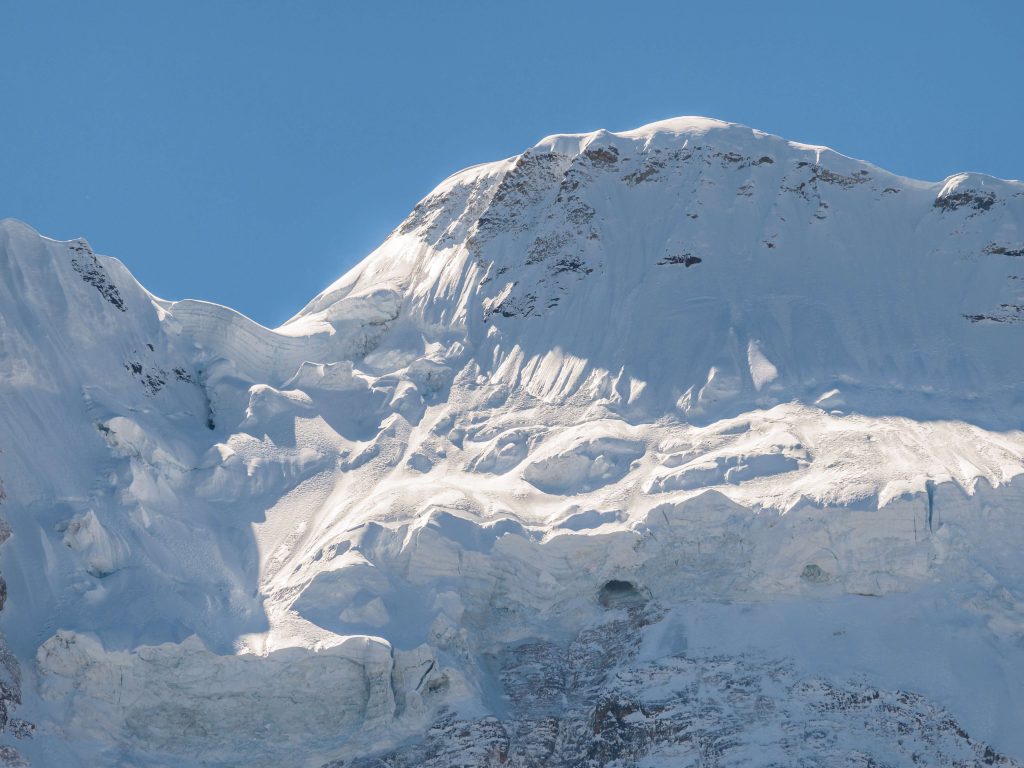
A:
x: 643, y: 447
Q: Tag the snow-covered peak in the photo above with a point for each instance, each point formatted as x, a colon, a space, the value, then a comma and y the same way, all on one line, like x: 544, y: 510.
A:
x: 682, y: 445
x: 673, y: 133
x: 838, y: 273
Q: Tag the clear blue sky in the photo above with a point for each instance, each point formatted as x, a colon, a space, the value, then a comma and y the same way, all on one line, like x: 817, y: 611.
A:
x: 250, y: 152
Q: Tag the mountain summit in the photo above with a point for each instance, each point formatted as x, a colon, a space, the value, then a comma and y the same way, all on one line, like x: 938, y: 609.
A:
x: 737, y: 269
x: 686, y: 445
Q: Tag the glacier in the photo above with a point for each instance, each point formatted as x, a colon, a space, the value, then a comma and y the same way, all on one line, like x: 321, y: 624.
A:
x: 687, y: 445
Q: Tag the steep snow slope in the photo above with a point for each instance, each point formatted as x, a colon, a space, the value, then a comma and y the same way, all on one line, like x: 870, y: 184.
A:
x: 736, y: 266
x: 681, y: 446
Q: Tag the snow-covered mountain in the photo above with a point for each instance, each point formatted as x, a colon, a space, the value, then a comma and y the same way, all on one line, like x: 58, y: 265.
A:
x: 681, y: 446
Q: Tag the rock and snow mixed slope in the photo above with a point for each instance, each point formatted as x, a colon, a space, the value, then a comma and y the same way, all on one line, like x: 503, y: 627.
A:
x: 680, y: 446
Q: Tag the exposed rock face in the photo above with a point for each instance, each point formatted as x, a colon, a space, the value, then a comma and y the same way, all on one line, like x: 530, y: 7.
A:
x: 595, y: 703
x: 10, y: 677
x: 89, y: 267
x: 681, y: 446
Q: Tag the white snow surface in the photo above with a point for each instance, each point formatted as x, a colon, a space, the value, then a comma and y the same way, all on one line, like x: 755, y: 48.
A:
x: 776, y: 389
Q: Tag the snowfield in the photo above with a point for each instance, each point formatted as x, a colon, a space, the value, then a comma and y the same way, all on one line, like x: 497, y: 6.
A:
x: 682, y: 446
